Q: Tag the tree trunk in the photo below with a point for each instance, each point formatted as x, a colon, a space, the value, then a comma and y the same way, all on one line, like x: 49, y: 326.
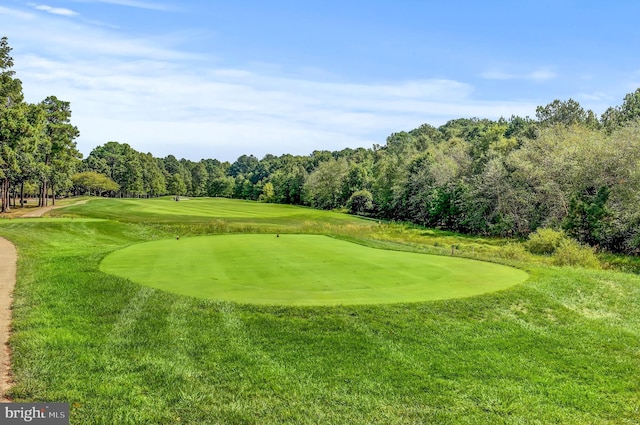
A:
x: 4, y: 196
x: 53, y: 195
x: 22, y: 195
x: 45, y: 193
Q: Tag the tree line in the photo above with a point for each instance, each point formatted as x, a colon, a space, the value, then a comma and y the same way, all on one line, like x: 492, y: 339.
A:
x: 37, y: 141
x: 565, y: 169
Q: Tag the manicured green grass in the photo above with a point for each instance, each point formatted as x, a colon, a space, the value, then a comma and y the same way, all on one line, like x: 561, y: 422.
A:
x: 562, y: 347
x: 302, y: 270
x: 205, y: 211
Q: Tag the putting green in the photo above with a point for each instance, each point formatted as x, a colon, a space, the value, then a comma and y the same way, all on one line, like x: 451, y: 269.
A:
x: 302, y: 270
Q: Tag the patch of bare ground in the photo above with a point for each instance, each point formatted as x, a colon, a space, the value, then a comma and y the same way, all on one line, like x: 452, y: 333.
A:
x: 8, y: 261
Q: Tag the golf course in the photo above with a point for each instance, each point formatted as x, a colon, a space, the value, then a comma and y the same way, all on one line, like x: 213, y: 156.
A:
x: 219, y: 311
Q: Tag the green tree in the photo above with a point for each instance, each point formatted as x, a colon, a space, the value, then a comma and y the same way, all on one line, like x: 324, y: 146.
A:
x: 153, y: 179
x: 176, y: 185
x: 356, y: 179
x: 14, y: 133
x: 360, y: 202
x: 222, y: 187
x: 27, y: 155
x: 323, y: 188
x: 564, y: 113
x: 59, y: 147
x: 122, y: 164
x: 187, y: 175
x: 288, y: 181
x: 245, y: 165
x: 173, y: 166
x: 268, y: 193
x: 92, y: 183
x: 629, y: 111
x: 15, y: 128
x: 587, y: 213
x: 199, y: 178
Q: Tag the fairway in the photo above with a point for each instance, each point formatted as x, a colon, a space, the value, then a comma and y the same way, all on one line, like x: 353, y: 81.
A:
x: 302, y: 270
x: 204, y: 210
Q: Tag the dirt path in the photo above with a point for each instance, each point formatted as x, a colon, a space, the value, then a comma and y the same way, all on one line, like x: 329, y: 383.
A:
x: 39, y: 212
x: 8, y: 260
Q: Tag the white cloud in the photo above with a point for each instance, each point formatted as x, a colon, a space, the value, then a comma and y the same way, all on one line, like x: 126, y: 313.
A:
x: 538, y: 75
x: 597, y: 96
x: 15, y: 13
x: 541, y: 75
x: 155, y: 106
x: 53, y: 10
x: 135, y: 4
x: 159, y: 99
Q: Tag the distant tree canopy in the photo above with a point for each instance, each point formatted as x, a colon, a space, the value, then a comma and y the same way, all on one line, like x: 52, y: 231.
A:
x: 92, y: 183
x: 566, y: 169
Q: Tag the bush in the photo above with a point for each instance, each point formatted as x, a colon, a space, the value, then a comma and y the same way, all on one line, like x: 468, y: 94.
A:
x: 571, y: 253
x: 513, y: 251
x: 545, y: 241
x: 360, y: 202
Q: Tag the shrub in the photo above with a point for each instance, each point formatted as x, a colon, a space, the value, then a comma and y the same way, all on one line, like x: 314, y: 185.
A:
x: 545, y: 241
x: 360, y: 202
x: 571, y: 253
x: 513, y: 251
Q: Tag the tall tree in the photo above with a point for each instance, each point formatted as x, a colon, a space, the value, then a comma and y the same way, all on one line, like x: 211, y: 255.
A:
x: 563, y: 112
x: 245, y: 165
x: 176, y: 186
x: 288, y: 182
x: 199, y: 178
x: 153, y: 180
x: 617, y: 116
x: 59, y: 147
x: 28, y: 154
x: 121, y: 163
x: 14, y: 125
x: 324, y: 186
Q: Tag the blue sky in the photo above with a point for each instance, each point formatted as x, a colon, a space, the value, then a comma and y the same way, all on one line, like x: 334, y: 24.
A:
x: 218, y: 79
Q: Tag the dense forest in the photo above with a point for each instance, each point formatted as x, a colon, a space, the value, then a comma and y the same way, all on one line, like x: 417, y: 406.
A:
x: 566, y: 169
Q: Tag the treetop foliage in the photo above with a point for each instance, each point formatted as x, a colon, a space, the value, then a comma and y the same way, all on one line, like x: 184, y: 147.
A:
x: 566, y: 169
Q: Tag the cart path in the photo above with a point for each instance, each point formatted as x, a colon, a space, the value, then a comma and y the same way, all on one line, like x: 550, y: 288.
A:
x: 39, y: 212
x: 8, y: 261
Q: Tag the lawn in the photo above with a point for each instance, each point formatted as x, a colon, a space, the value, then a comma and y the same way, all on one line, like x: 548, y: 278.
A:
x: 302, y: 270
x: 206, y: 211
x: 561, y: 347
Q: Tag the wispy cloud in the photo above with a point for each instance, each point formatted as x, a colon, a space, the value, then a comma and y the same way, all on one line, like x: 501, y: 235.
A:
x: 15, y: 13
x: 135, y: 4
x: 157, y: 98
x: 165, y: 108
x: 53, y: 10
x: 538, y: 75
x: 597, y: 96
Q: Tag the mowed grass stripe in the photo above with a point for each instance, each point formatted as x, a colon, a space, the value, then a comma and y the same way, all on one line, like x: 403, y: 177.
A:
x: 202, y: 210
x: 303, y: 270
